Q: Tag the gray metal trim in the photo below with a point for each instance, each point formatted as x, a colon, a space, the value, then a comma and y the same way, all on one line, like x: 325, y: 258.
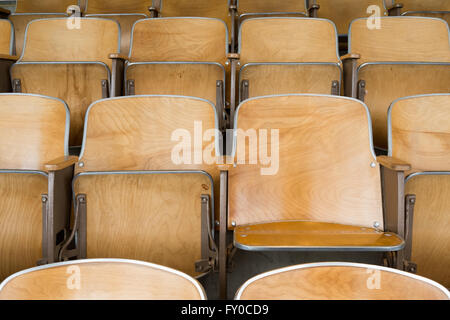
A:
x: 389, y: 117
x: 289, y: 63
x: 167, y: 18
x: 369, y: 119
x: 67, y: 130
x: 427, y: 173
x: 82, y: 18
x: 141, y: 172
x: 171, y: 62
x: 197, y: 285
x: 430, y: 11
x: 340, y: 264
x: 271, y: 14
x: 297, y: 18
x: 401, y: 63
x: 93, y: 15
x: 391, y: 17
x: 43, y: 173
x: 86, y: 118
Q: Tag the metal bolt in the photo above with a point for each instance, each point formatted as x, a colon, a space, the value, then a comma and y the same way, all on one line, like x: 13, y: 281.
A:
x: 243, y: 235
x: 203, y: 200
x: 44, y: 199
x: 217, y: 223
x: 227, y: 63
x: 376, y: 224
x: 238, y: 63
x: 373, y: 165
x: 81, y: 164
x: 233, y: 223
x: 82, y: 200
x: 412, y: 200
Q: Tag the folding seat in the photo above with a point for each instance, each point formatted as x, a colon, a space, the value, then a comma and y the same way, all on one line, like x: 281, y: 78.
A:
x: 184, y: 56
x: 71, y: 63
x: 381, y: 68
x: 6, y: 54
x: 34, y: 170
x: 142, y: 190
x: 343, y: 12
x: 29, y: 10
x: 287, y: 55
x: 305, y: 177
x: 424, y: 8
x: 419, y: 134
x: 126, y: 13
x: 340, y: 281
x: 101, y: 279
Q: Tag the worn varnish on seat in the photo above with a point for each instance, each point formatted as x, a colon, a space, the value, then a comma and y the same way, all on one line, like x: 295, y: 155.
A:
x: 139, y: 170
x: 340, y: 281
x: 33, y: 132
x: 68, y: 63
x: 102, y: 279
x: 419, y: 133
x: 415, y: 61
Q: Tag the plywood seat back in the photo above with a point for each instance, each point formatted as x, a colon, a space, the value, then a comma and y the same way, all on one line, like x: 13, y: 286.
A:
x: 287, y: 40
x: 419, y: 132
x: 340, y: 281
x: 150, y: 216
x: 416, y: 39
x: 343, y: 12
x: 44, y: 6
x: 7, y: 37
x: 180, y: 39
x: 293, y: 167
x: 421, y: 5
x: 271, y: 6
x: 57, y: 40
x: 101, y: 279
x: 118, y: 6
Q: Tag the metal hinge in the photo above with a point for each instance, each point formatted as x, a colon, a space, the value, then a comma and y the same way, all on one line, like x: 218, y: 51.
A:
x: 203, y: 265
x: 17, y: 86
x: 130, y: 87
x: 244, y: 90
x: 335, y: 88
x: 361, y: 90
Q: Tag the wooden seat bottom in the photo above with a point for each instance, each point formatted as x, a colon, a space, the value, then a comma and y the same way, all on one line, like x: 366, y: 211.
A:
x: 308, y: 235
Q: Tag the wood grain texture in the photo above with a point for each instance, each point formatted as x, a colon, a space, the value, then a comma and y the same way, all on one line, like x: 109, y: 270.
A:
x: 416, y: 39
x: 194, y: 80
x: 109, y: 280
x: 142, y: 128
x: 77, y: 84
x: 386, y: 83
x: 5, y: 36
x: 200, y: 8
x: 315, y: 180
x: 52, y: 40
x: 149, y: 217
x: 118, y: 6
x: 269, y: 6
x: 20, y: 221
x: 343, y: 12
x: 340, y: 283
x: 44, y: 6
x: 32, y: 131
x: 440, y: 15
x: 126, y: 23
x: 421, y: 132
x: 286, y: 79
x: 20, y: 23
x: 297, y: 234
x: 431, y: 238
x: 393, y: 163
x: 288, y: 40
x: 428, y: 5
x: 180, y: 39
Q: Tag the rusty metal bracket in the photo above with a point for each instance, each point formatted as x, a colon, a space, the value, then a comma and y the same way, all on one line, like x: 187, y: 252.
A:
x: 335, y: 88
x: 361, y: 90
x: 130, y: 87
x: 244, y: 90
x: 17, y: 86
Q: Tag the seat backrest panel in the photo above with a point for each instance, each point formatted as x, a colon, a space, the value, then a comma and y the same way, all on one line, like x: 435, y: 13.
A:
x: 309, y: 177
x: 288, y: 40
x: 52, y: 40
x: 102, y: 279
x: 179, y: 39
x: 425, y: 5
x: 7, y: 37
x: 33, y: 131
x: 420, y: 132
x: 340, y: 281
x: 416, y: 39
x: 218, y: 9
x: 118, y: 6
x: 44, y: 6
x: 271, y: 6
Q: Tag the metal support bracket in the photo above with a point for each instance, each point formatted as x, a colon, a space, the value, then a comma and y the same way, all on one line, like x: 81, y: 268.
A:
x: 335, y: 88
x: 361, y: 90
x: 17, y: 86
x: 105, y: 90
x: 244, y: 90
x: 220, y: 104
x: 209, y: 249
x: 410, y: 201
x: 130, y: 87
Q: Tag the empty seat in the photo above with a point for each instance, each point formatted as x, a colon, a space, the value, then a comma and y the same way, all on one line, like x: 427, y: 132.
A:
x: 33, y: 132
x: 185, y: 56
x: 425, y: 8
x: 69, y: 63
x: 125, y: 12
x: 343, y: 12
x: 340, y: 281
x: 383, y: 68
x: 6, y: 54
x: 293, y: 187
x: 288, y: 55
x: 419, y: 134
x: 29, y: 10
x: 101, y: 279
x: 145, y: 182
